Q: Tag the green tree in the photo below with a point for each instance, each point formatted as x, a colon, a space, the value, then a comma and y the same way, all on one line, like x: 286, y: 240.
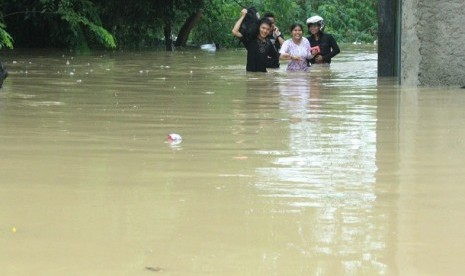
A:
x: 54, y: 23
x: 348, y: 20
x: 86, y: 24
x: 5, y: 39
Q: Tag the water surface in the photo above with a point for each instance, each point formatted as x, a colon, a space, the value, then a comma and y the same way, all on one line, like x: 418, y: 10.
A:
x: 331, y: 172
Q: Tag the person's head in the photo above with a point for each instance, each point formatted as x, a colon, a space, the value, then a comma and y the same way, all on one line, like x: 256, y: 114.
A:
x: 264, y: 27
x: 315, y: 24
x: 272, y: 19
x: 297, y: 31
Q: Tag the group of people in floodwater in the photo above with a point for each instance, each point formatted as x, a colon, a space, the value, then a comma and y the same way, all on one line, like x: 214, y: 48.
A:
x: 267, y: 47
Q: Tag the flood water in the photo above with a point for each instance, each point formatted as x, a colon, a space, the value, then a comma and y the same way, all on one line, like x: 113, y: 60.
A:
x: 331, y: 172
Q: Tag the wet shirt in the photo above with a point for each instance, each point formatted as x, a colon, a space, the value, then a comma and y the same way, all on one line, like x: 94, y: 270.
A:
x: 302, y: 50
x: 328, y: 47
x: 258, y: 52
x: 273, y: 62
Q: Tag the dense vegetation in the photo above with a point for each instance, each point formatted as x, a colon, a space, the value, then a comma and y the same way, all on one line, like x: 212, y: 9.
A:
x: 90, y: 24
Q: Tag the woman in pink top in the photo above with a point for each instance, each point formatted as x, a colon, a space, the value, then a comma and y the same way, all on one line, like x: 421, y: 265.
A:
x: 296, y: 49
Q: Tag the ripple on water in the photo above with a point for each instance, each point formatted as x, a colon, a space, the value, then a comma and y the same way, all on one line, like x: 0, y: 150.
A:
x: 45, y: 103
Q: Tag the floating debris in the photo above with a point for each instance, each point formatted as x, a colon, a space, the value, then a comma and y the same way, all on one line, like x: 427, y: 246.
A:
x: 154, y: 269
x: 211, y: 48
x: 174, y: 139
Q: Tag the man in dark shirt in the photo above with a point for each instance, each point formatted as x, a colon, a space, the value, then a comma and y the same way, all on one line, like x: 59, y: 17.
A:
x: 276, y: 39
x: 258, y: 46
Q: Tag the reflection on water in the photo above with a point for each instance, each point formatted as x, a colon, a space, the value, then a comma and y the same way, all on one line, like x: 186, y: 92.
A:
x: 328, y: 169
x: 334, y: 172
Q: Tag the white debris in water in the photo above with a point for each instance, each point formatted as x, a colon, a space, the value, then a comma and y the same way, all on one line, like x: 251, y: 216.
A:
x: 174, y: 139
x: 211, y: 48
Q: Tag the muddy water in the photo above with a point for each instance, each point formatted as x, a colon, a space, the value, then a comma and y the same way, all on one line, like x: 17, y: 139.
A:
x: 334, y: 172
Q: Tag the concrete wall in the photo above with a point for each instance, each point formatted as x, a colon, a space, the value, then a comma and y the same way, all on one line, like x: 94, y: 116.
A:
x: 433, y: 43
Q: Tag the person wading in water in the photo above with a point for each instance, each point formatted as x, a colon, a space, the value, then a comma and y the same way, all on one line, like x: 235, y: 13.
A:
x: 327, y: 45
x: 258, y: 46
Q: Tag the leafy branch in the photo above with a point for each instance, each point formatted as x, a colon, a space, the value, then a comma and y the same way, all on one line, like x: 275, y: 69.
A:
x: 5, y: 38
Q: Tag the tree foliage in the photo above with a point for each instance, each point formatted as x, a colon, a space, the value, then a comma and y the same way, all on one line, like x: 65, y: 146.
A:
x: 5, y: 38
x: 347, y: 20
x: 86, y: 24
x: 58, y: 23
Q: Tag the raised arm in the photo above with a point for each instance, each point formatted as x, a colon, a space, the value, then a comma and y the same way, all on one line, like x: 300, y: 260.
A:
x: 279, y: 37
x: 237, y: 26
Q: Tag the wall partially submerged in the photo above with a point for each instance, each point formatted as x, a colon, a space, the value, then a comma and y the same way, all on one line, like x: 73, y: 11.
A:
x: 433, y: 43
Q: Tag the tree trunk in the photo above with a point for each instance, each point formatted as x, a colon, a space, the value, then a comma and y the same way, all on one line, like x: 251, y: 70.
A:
x: 168, y: 37
x: 187, y: 27
x: 168, y: 17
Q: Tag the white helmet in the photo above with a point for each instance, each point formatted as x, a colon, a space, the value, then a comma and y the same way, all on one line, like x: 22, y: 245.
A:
x: 316, y: 19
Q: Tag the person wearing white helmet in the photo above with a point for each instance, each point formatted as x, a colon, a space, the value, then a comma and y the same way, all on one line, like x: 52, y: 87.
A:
x: 324, y: 46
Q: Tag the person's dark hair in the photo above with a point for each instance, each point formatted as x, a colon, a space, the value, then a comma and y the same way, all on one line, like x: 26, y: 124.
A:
x: 264, y: 20
x: 269, y: 14
x: 295, y: 25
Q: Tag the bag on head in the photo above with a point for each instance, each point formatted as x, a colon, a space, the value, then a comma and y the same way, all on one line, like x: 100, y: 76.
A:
x: 249, y: 26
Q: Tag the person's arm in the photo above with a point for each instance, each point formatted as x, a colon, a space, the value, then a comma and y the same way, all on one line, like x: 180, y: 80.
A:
x: 334, y: 49
x: 308, y: 47
x: 279, y: 37
x: 237, y: 26
x: 290, y: 57
x: 284, y: 53
x: 313, y: 53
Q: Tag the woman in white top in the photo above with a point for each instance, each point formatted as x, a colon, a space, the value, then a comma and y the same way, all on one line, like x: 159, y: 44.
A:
x: 296, y: 49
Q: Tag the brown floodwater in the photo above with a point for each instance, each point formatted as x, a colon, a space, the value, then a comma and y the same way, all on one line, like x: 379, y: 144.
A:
x: 331, y: 172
